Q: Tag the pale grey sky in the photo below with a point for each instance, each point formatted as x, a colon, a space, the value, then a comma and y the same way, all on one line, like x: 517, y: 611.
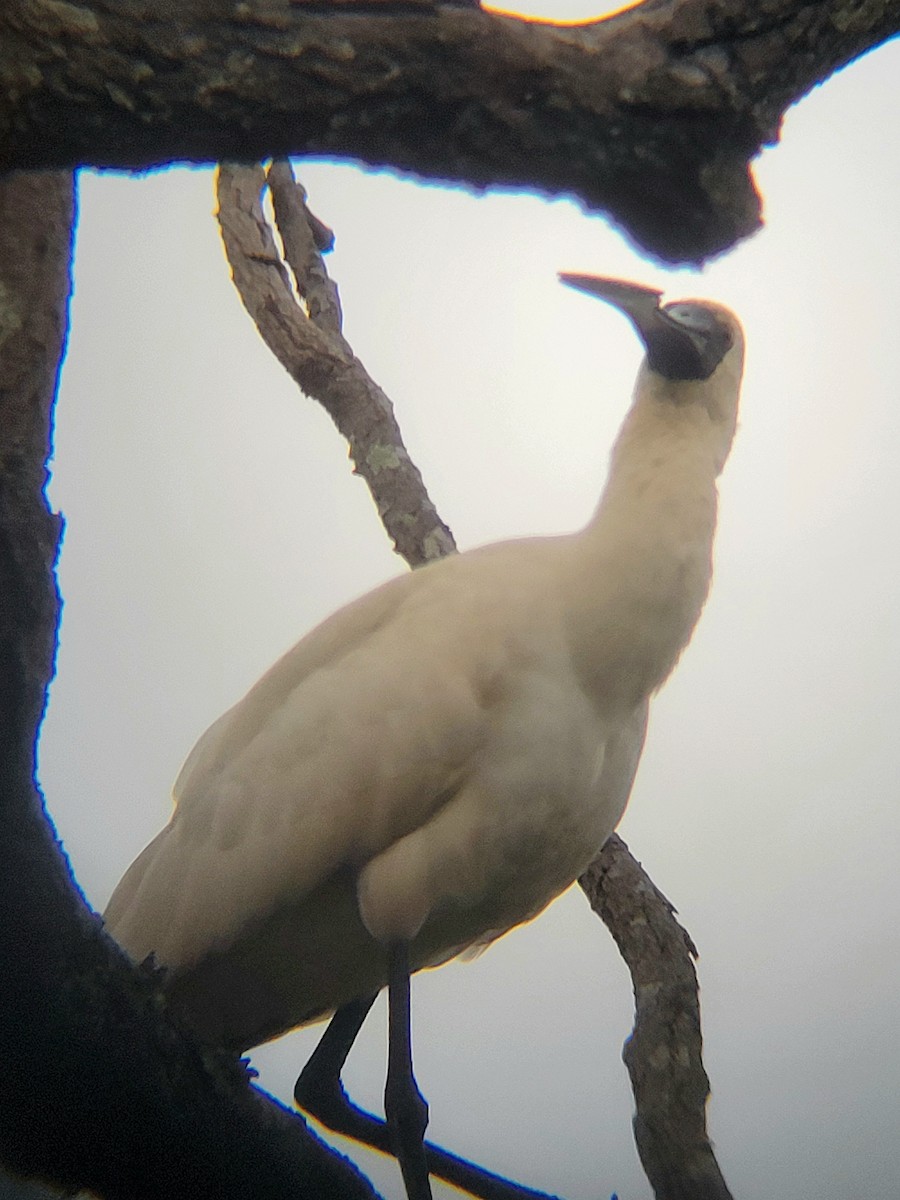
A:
x: 212, y: 520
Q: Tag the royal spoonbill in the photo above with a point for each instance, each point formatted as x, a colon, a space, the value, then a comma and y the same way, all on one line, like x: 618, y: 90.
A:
x: 438, y: 760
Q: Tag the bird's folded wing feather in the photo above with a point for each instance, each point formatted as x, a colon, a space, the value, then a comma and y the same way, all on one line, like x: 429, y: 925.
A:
x: 352, y: 740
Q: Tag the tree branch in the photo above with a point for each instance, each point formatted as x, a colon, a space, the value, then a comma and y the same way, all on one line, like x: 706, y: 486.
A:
x: 313, y: 351
x: 98, y: 1090
x: 651, y: 116
x: 664, y: 1053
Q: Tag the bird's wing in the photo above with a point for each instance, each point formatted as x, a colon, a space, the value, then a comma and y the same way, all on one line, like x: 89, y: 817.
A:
x: 131, y: 915
x: 352, y: 740
x: 333, y: 639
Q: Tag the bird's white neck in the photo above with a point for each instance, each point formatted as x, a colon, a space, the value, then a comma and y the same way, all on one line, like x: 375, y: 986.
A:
x: 644, y: 562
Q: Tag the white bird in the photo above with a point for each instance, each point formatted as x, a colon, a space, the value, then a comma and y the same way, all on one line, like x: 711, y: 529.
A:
x: 438, y: 760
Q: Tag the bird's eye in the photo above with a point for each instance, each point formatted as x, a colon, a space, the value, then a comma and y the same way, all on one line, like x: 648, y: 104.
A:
x: 689, y: 342
x: 691, y: 316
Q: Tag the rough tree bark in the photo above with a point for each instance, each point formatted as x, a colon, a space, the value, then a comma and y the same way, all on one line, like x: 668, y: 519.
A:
x: 314, y: 352
x: 664, y: 1053
x: 97, y: 1090
x: 652, y: 116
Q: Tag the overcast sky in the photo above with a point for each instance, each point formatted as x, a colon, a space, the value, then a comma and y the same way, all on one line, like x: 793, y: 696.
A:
x: 212, y: 519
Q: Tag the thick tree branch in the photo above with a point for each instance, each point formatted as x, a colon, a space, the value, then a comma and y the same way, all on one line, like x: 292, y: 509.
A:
x: 651, y: 116
x: 663, y: 1055
x: 98, y: 1090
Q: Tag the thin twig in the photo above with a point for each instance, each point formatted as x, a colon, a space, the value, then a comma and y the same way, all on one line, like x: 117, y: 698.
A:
x: 304, y: 238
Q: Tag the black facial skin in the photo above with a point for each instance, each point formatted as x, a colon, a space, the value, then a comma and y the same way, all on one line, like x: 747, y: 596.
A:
x: 685, y: 341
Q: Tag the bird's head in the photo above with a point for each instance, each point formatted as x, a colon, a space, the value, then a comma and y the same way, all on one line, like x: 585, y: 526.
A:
x: 694, y: 348
x: 685, y: 340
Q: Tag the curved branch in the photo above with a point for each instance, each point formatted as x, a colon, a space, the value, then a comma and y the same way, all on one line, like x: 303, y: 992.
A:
x: 664, y: 1053
x: 651, y: 116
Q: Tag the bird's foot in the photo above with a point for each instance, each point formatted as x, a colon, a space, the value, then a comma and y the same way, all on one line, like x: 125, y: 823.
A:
x: 407, y: 1119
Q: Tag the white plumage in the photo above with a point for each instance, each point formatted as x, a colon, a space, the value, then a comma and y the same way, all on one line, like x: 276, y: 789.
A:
x: 441, y: 758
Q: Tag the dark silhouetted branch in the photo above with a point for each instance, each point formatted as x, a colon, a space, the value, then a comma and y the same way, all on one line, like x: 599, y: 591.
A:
x: 651, y: 116
x: 98, y: 1090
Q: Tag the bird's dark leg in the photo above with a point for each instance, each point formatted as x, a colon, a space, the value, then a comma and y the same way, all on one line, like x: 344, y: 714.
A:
x: 404, y: 1104
x: 319, y: 1092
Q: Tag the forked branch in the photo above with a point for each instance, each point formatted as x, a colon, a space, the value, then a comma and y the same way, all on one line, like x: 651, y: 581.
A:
x: 307, y: 341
